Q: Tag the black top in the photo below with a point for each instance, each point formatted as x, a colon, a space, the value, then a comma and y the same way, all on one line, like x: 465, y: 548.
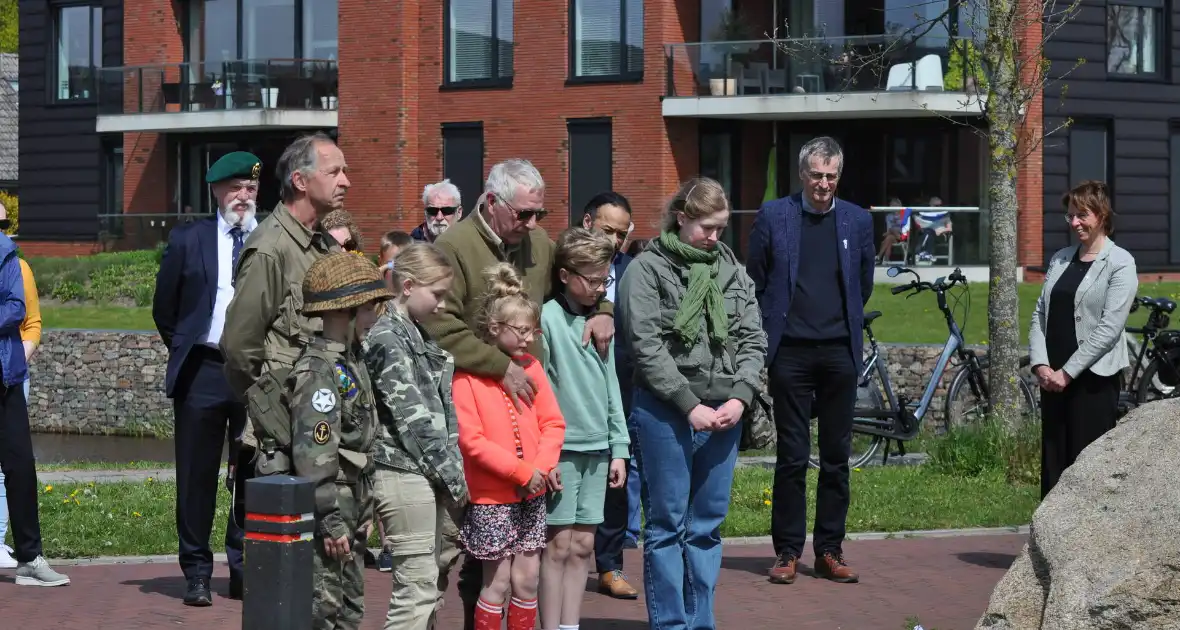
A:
x: 1061, y: 337
x: 817, y: 308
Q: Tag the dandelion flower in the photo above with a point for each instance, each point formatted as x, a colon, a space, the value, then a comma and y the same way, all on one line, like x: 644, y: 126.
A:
x: 766, y: 503
x: 48, y: 488
x: 136, y: 514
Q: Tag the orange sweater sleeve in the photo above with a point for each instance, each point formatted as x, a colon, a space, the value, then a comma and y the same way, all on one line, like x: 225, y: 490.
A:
x: 30, y: 328
x: 473, y: 440
x: 549, y: 420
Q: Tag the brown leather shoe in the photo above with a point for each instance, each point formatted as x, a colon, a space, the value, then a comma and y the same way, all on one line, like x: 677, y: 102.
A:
x: 783, y: 571
x: 831, y: 566
x: 614, y: 584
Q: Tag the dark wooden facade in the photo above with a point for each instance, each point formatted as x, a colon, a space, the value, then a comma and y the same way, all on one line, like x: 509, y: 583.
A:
x: 63, y: 161
x: 1124, y: 131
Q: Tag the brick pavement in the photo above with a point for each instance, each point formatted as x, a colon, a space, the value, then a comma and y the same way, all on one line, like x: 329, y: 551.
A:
x: 946, y: 582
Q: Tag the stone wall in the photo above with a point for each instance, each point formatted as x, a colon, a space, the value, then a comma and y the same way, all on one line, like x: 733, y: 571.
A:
x: 112, y: 383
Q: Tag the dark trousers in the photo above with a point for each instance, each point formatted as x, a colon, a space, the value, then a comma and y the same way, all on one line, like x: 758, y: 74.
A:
x: 207, y: 415
x: 20, y: 473
x: 1074, y: 418
x: 799, y: 371
x: 470, y: 584
x: 621, y: 503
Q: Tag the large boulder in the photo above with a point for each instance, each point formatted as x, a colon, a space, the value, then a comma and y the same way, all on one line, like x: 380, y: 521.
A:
x: 1104, y: 551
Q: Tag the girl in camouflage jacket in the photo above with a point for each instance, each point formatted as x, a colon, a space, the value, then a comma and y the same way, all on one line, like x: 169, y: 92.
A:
x: 419, y: 479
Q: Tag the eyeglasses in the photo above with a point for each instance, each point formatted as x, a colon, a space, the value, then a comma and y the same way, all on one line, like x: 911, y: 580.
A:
x: 594, y: 283
x: 522, y: 331
x: 524, y: 215
x: 1080, y: 216
x: 446, y: 210
x: 819, y: 177
x: 5, y: 224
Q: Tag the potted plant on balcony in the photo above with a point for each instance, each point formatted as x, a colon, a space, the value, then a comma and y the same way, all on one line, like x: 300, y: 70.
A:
x: 323, y: 78
x: 732, y: 43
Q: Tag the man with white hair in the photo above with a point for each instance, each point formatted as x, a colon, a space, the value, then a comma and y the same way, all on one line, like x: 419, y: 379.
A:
x: 193, y: 290
x: 443, y: 208
x: 503, y: 228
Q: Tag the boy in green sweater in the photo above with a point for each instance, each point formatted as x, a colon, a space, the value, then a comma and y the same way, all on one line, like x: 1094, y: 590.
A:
x: 595, y: 452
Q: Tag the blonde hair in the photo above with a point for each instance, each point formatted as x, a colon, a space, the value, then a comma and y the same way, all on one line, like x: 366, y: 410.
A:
x: 504, y: 299
x: 698, y: 197
x: 422, y: 264
x: 578, y: 247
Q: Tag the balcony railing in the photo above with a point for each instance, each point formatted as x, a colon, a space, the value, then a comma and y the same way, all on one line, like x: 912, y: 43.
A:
x: 828, y: 65
x: 305, y: 84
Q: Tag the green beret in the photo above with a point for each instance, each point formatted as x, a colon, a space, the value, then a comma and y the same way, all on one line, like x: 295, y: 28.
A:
x: 239, y: 165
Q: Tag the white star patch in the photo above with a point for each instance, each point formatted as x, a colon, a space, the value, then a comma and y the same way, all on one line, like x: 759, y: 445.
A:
x: 323, y: 401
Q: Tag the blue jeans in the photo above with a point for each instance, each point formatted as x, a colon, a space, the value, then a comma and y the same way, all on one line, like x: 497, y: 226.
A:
x: 633, y: 507
x: 686, y: 478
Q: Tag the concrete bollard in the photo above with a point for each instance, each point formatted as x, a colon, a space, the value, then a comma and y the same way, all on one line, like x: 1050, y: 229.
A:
x: 278, y: 553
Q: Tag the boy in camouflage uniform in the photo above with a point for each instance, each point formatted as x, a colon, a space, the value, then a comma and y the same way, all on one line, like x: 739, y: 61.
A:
x: 333, y: 429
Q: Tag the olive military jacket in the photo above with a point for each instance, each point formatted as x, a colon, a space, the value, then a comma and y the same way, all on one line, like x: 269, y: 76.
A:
x: 333, y: 427
x: 265, y: 327
x: 419, y: 432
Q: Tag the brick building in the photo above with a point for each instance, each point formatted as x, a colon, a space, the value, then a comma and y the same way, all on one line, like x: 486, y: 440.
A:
x: 123, y: 107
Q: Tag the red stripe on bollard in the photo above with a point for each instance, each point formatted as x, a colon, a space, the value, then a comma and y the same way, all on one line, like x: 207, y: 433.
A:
x: 278, y: 518
x: 278, y: 538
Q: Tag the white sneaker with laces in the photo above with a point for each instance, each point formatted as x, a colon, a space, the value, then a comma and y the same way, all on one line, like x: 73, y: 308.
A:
x: 39, y: 573
x: 6, y: 559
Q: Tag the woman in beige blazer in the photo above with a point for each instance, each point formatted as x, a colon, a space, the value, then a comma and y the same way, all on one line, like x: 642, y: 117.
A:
x: 1077, y: 329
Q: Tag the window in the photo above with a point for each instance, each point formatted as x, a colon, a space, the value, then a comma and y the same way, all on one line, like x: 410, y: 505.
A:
x: 716, y: 154
x: 1088, y: 153
x: 113, y: 179
x: 258, y: 30
x: 606, y: 39
x: 463, y: 161
x: 1134, y: 30
x: 590, y: 161
x: 478, y: 42
x: 79, y: 50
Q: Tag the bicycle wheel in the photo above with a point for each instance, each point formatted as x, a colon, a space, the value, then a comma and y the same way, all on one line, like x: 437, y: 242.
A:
x: 966, y: 404
x: 864, y: 446
x: 1159, y: 381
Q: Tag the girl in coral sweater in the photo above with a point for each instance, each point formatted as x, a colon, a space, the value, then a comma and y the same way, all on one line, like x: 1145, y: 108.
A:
x: 509, y: 456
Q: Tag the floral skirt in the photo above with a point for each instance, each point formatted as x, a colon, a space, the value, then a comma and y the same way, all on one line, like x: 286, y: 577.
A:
x: 493, y: 532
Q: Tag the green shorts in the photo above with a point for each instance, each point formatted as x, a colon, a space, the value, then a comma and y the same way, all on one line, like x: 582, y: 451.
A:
x: 583, y: 493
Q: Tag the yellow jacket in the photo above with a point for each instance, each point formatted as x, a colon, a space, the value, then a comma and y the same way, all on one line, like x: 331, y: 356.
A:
x: 30, y: 329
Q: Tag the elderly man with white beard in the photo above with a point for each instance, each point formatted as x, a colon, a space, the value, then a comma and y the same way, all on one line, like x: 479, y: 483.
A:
x: 443, y: 208
x: 193, y: 289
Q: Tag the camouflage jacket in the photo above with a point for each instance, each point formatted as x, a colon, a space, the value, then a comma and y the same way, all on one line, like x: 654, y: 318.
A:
x: 333, y: 426
x: 419, y: 431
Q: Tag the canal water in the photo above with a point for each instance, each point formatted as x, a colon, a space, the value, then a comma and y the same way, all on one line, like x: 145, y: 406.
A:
x: 56, y: 448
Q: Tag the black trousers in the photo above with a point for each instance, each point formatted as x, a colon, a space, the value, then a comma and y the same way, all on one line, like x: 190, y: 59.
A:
x: 799, y: 371
x: 20, y: 473
x: 207, y: 416
x: 1072, y: 419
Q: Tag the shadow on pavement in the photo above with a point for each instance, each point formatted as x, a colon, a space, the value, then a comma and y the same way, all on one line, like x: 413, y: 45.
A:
x: 987, y: 559
x: 174, y: 586
x: 590, y: 623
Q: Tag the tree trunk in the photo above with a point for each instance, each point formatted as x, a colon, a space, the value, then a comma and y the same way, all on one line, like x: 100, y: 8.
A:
x: 1003, y: 321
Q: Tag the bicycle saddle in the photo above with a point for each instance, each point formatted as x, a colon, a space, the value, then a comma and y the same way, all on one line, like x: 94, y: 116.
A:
x: 1164, y: 304
x: 870, y: 316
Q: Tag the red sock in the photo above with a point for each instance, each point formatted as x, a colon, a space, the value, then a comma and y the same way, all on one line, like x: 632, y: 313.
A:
x: 522, y: 614
x: 488, y: 616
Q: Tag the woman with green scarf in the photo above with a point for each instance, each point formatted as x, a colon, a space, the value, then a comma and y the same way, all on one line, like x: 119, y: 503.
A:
x: 696, y: 337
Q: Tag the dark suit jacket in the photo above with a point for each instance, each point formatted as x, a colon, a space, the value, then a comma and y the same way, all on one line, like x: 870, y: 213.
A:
x: 186, y: 288
x: 773, y: 264
x: 623, y: 364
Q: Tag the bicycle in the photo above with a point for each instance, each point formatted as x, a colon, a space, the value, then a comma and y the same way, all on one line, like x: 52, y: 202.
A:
x: 1158, y: 356
x: 874, y: 423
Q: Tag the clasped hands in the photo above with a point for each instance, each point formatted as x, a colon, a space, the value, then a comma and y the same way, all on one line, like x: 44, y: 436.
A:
x: 1052, y: 380
x: 704, y: 418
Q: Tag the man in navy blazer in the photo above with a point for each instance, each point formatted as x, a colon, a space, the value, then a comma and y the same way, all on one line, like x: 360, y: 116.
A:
x: 811, y: 259
x: 193, y: 288
x: 610, y: 213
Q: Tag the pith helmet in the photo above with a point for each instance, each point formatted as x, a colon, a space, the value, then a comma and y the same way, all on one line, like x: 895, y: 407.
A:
x: 342, y: 280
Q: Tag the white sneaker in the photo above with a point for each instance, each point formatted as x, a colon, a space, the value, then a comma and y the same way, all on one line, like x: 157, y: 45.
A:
x: 6, y: 559
x: 38, y: 573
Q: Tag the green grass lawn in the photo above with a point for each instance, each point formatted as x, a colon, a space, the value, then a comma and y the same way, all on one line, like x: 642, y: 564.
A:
x: 84, y: 520
x: 83, y: 465
x: 913, y: 320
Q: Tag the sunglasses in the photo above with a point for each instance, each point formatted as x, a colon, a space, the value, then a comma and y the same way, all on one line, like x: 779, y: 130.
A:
x: 5, y: 224
x: 446, y: 210
x: 524, y: 215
